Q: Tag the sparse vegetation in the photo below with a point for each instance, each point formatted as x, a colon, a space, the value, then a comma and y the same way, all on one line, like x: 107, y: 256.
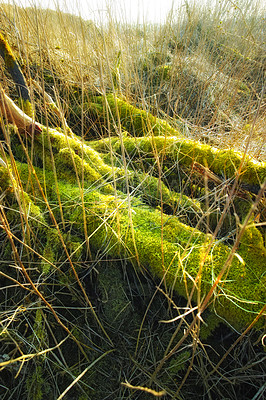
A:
x: 132, y: 213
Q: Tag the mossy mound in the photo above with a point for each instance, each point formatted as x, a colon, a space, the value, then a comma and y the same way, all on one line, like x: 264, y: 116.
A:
x: 123, y: 114
x: 228, y: 164
x: 124, y: 225
x: 160, y: 243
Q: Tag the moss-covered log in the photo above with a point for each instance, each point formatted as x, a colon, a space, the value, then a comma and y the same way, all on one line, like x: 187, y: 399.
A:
x: 125, y: 227
x: 132, y: 119
x: 122, y: 209
x: 132, y: 259
x: 135, y: 231
x: 228, y: 164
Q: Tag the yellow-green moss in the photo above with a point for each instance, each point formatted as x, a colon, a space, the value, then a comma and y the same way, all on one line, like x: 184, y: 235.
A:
x: 136, y: 121
x: 183, y: 248
x: 54, y: 250
x: 225, y: 163
x: 182, y: 260
x: 12, y: 191
x: 26, y: 106
x: 6, y: 53
x: 109, y: 229
x: 180, y: 253
x: 5, y: 179
x: 74, y: 159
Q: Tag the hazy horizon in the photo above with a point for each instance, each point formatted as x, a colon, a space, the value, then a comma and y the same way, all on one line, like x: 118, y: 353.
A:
x: 130, y: 11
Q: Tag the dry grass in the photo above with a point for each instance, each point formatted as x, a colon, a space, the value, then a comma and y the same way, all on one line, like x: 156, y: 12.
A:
x: 203, y: 71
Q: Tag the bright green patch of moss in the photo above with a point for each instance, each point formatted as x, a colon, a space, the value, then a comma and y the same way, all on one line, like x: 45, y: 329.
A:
x: 74, y: 159
x: 225, y: 163
x: 179, y: 256
x: 136, y: 121
x: 26, y: 106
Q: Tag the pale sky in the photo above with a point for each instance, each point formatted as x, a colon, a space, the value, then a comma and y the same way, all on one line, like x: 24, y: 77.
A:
x: 136, y: 11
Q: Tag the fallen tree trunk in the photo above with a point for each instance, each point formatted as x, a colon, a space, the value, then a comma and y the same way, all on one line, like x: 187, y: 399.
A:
x: 98, y: 188
x: 165, y: 142
x: 13, y: 114
x: 123, y: 226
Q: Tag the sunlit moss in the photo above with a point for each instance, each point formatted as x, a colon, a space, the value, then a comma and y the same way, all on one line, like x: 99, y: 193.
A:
x: 6, y: 53
x: 178, y: 258
x: 135, y: 120
x: 225, y: 163
x: 26, y: 106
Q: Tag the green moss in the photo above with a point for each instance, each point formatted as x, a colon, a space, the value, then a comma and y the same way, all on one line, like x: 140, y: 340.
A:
x: 35, y: 383
x: 152, y: 240
x: 210, y: 323
x: 110, y: 230
x: 26, y: 107
x: 32, y: 212
x: 136, y: 121
x: 6, y: 53
x: 70, y: 164
x: 49, y: 255
x: 155, y: 193
x: 54, y: 249
x: 117, y: 308
x: 74, y: 159
x: 5, y: 179
x: 225, y: 163
x: 179, y: 363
